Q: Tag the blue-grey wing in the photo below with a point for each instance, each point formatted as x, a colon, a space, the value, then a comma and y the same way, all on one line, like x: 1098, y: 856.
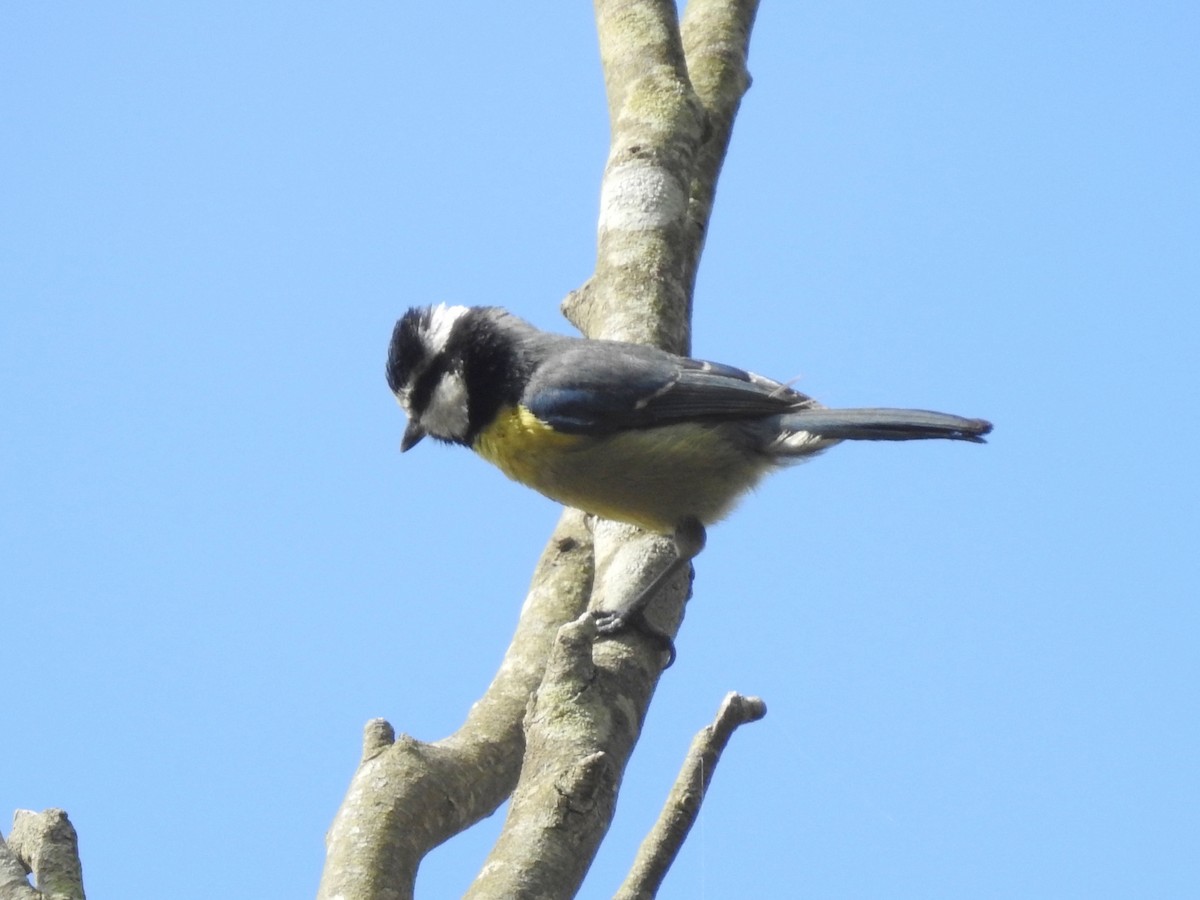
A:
x: 598, y: 387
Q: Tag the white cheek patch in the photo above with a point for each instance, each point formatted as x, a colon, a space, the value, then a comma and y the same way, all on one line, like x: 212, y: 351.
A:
x: 446, y: 414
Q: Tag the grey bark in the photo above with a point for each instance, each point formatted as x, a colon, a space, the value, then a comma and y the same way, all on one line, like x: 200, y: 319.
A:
x: 45, y: 846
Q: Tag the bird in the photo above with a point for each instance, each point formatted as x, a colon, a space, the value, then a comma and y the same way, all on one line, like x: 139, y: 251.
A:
x: 623, y: 431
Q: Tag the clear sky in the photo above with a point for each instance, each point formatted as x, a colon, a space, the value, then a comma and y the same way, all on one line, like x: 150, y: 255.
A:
x: 981, y: 663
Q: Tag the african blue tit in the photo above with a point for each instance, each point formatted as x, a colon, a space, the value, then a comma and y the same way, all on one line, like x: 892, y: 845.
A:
x: 623, y: 431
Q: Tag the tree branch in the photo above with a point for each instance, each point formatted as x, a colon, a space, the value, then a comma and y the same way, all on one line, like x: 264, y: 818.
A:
x: 662, y: 844
x: 408, y: 796
x: 581, y: 728
x: 45, y: 844
x: 638, y: 292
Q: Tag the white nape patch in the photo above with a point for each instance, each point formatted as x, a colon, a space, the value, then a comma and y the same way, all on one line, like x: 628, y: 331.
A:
x: 638, y: 196
x: 441, y: 322
x: 446, y: 414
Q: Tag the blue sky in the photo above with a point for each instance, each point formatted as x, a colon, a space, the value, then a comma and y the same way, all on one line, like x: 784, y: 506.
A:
x: 980, y: 663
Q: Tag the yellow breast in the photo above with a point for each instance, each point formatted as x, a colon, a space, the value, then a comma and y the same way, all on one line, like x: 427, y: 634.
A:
x: 518, y: 442
x: 653, y: 477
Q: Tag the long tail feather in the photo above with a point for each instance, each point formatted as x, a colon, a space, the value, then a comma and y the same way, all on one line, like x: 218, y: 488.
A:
x: 886, y: 425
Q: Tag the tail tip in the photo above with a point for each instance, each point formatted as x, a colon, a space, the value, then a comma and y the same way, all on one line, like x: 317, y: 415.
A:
x: 975, y: 429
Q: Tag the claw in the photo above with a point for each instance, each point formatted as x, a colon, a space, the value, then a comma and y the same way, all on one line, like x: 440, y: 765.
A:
x: 610, y: 623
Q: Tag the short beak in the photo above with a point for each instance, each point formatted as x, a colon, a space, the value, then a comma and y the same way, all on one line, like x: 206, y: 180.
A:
x: 412, y: 436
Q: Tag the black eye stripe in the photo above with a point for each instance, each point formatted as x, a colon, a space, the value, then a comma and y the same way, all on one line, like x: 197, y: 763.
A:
x: 426, y: 382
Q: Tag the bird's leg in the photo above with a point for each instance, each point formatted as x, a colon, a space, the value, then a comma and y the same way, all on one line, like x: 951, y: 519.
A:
x: 689, y: 538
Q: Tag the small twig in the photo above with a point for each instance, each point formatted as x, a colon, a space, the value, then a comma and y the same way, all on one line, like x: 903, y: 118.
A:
x: 662, y: 844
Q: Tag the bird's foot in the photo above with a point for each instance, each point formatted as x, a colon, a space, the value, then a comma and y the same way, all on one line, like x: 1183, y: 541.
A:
x: 614, y: 622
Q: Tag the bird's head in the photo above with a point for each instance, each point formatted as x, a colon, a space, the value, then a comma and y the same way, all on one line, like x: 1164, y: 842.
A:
x: 425, y: 370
